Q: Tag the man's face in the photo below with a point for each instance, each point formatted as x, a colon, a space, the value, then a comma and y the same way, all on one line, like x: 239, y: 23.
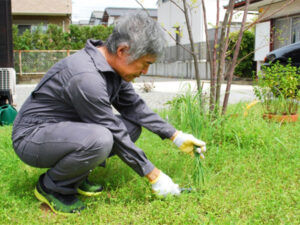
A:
x: 129, y: 71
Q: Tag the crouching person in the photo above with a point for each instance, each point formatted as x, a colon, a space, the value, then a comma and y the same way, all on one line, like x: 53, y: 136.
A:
x: 67, y: 123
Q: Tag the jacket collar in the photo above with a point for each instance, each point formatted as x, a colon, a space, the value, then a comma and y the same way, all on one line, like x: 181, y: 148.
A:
x: 98, y: 59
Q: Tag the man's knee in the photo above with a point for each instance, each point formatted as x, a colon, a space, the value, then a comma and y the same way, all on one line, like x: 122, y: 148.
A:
x: 99, y: 143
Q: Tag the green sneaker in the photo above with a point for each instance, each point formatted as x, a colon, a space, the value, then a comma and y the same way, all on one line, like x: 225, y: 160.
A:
x: 88, y: 188
x: 58, y: 203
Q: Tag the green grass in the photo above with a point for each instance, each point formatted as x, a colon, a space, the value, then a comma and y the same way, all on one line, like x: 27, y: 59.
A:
x: 251, y: 174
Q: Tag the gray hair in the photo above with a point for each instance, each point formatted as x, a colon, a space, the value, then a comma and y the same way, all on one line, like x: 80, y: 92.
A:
x: 140, y: 32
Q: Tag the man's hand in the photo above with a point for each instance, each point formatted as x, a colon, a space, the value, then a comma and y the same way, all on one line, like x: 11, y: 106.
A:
x: 163, y: 186
x: 187, y: 142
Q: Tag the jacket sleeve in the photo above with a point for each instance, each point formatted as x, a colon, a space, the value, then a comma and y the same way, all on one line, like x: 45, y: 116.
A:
x: 133, y: 108
x: 88, y: 95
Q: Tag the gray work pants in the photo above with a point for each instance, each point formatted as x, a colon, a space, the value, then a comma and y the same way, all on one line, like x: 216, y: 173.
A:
x: 70, y: 150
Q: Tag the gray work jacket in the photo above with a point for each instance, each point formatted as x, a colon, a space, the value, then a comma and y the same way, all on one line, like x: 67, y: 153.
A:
x: 83, y: 88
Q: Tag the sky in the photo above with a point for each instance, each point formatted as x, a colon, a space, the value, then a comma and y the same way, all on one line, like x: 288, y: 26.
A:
x: 82, y: 9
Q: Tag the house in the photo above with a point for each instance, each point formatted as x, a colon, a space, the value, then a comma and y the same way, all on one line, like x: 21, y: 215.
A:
x: 173, y: 20
x: 111, y: 14
x: 81, y: 22
x: 28, y: 14
x: 279, y: 25
x: 96, y: 18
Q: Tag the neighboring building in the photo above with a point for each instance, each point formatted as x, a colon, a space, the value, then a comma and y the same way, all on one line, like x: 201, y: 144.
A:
x: 81, y: 22
x: 96, y: 18
x: 28, y: 14
x: 111, y: 14
x: 173, y: 20
x: 279, y: 27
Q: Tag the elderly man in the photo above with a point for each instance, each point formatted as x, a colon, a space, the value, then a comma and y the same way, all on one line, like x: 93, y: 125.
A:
x: 67, y: 124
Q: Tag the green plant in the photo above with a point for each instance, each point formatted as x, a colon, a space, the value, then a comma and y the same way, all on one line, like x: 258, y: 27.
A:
x: 188, y: 112
x: 246, y: 67
x: 54, y: 38
x: 242, y: 185
x: 278, y: 88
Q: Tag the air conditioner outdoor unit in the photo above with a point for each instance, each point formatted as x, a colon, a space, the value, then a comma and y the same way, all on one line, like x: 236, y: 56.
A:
x: 8, y: 83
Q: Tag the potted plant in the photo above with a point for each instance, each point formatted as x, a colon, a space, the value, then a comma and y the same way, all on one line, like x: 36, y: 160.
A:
x: 278, y: 89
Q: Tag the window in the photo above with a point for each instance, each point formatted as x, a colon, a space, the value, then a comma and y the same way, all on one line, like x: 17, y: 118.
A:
x: 42, y: 26
x: 286, y: 31
x: 295, y: 29
x: 31, y: 28
x: 177, y: 34
x: 282, y: 32
x: 23, y: 28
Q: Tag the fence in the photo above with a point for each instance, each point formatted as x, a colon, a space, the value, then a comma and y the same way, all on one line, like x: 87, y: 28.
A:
x: 177, y: 62
x: 37, y: 62
x: 178, y: 53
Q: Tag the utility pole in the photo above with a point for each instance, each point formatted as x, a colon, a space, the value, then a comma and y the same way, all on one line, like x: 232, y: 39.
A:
x: 7, y: 72
x: 6, y: 43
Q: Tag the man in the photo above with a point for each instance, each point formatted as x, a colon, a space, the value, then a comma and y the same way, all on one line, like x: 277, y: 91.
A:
x: 68, y: 125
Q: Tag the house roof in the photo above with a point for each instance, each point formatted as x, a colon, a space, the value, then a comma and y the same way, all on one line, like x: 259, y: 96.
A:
x: 97, y: 14
x: 111, y: 11
x: 41, y: 7
x: 254, y: 4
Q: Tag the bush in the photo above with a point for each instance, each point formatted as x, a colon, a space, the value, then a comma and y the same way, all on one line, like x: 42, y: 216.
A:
x: 55, y: 38
x: 278, y: 88
x: 247, y: 66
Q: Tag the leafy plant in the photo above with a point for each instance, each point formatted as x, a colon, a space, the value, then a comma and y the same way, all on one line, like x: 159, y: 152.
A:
x: 278, y: 88
x: 54, y: 38
x: 246, y: 67
x: 187, y: 111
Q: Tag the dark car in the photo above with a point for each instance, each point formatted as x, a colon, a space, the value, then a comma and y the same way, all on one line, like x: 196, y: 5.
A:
x: 284, y: 54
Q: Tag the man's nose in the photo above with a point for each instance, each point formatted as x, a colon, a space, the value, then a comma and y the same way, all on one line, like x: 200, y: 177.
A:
x: 145, y: 70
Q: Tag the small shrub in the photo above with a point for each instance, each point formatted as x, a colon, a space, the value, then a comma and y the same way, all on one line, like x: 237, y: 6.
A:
x: 278, y: 88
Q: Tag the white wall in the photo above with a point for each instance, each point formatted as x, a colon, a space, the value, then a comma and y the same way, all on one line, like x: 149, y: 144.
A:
x: 169, y: 15
x: 262, y: 40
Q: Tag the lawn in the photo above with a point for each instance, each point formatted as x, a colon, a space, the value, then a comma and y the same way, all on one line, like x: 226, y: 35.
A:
x: 251, y: 174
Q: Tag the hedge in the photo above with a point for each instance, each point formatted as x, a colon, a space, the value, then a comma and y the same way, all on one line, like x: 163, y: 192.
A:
x: 56, y: 39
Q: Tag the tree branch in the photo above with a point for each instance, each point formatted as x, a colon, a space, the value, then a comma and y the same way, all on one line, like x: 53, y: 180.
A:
x: 188, y: 24
x: 224, y: 40
x: 178, y: 6
x: 234, y: 60
x: 186, y: 49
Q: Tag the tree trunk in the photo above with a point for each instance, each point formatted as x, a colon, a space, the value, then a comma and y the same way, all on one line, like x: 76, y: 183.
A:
x: 188, y: 24
x: 234, y: 60
x: 209, y: 59
x: 223, y: 48
x: 214, y: 61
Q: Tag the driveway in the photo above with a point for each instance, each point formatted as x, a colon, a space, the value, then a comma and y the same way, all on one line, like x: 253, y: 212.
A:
x: 165, y: 89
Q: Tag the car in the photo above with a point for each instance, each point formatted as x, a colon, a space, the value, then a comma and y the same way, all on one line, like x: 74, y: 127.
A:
x: 282, y: 55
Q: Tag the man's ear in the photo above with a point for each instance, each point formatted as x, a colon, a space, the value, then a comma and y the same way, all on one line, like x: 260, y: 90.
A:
x: 123, y: 50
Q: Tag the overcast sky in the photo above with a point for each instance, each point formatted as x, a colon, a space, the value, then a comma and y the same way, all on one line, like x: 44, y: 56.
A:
x: 81, y: 9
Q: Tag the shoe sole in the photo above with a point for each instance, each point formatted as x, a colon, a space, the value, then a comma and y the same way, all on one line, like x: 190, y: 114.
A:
x: 45, y: 200
x: 88, y: 194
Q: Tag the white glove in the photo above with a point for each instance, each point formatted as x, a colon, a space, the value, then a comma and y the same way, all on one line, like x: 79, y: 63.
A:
x: 187, y: 142
x: 164, y: 185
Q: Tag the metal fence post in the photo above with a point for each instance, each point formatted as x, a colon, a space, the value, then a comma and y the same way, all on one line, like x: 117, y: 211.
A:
x: 20, y: 62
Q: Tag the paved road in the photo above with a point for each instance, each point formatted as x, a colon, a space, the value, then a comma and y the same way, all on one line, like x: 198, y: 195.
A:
x: 165, y: 89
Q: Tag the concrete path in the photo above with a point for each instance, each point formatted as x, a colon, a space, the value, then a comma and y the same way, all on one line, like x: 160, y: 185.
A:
x: 165, y: 89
